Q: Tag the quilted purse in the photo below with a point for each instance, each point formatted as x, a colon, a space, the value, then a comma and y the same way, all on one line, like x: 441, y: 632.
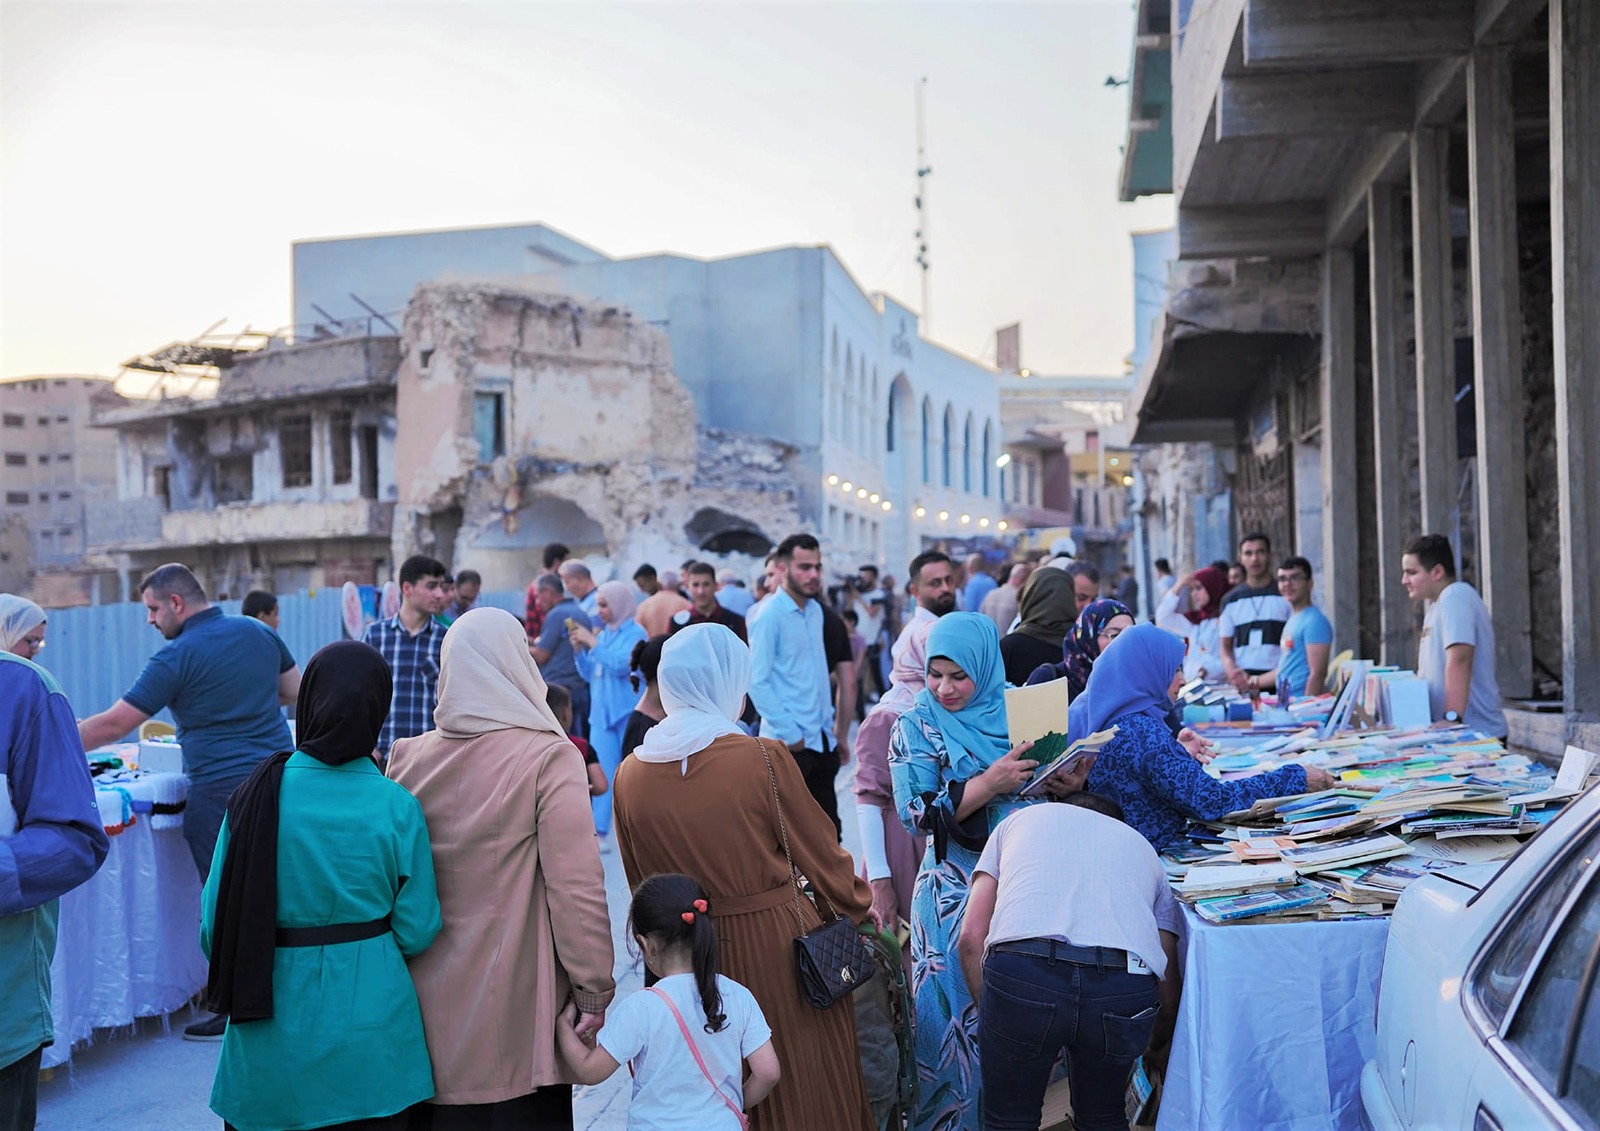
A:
x: 833, y: 961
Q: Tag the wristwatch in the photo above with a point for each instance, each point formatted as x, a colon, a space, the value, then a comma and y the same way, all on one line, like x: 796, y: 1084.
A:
x: 1452, y: 716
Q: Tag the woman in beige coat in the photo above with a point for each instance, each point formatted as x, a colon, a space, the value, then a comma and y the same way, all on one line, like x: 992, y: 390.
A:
x: 520, y: 886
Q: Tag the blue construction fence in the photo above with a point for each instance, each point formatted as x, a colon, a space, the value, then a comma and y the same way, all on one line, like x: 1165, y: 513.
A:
x: 97, y: 651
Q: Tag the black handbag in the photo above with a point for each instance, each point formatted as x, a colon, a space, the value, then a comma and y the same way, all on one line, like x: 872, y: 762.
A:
x: 833, y: 960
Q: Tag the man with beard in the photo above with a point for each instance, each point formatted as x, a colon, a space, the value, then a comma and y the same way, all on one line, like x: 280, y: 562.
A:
x: 789, y: 679
x: 933, y: 585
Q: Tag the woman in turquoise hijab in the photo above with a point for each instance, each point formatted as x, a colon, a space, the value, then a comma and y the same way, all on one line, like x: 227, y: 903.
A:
x: 955, y: 778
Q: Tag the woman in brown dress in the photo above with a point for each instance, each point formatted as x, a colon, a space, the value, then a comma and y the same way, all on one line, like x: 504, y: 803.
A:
x: 696, y: 798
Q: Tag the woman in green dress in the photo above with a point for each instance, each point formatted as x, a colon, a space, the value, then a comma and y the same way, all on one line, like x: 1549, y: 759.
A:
x: 321, y: 887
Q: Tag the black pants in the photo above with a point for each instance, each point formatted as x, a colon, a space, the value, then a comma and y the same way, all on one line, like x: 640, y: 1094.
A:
x: 547, y: 1109
x: 19, y: 1092
x: 820, y: 768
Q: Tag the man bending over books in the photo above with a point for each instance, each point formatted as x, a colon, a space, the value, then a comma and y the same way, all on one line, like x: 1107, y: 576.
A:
x: 1059, y: 956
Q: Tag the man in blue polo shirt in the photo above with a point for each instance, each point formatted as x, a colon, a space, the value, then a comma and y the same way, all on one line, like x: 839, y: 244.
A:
x: 224, y: 679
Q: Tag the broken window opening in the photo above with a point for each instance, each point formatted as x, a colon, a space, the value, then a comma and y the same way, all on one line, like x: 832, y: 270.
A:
x: 369, y: 461
x: 339, y: 430
x: 162, y: 484
x: 489, y: 422
x: 14, y: 421
x: 294, y: 447
x: 16, y: 498
x: 16, y: 459
x: 235, y: 479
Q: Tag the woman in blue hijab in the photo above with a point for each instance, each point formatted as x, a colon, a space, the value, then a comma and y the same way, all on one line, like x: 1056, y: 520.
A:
x: 955, y: 778
x: 1155, y: 780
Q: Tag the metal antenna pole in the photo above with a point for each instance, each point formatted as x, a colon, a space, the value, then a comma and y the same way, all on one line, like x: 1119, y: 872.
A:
x: 924, y: 171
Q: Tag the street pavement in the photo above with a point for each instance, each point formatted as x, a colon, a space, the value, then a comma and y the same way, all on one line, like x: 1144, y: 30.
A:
x: 151, y: 1079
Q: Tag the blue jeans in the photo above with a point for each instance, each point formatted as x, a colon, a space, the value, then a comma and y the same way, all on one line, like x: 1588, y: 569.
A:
x: 202, y: 818
x: 1031, y: 1009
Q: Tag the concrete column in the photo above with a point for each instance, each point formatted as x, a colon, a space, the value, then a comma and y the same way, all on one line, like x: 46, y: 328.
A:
x: 1575, y: 257
x: 1497, y: 351
x: 1436, y: 366
x: 1386, y: 222
x: 1340, y: 547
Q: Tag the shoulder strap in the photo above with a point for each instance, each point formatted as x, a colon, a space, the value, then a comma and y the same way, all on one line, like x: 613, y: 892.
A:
x: 698, y: 1059
x: 783, y: 831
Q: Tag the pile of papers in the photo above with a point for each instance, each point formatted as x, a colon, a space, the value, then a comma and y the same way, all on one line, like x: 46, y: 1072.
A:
x: 1408, y: 803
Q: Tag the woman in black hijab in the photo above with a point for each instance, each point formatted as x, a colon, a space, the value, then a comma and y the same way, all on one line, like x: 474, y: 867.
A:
x: 321, y: 887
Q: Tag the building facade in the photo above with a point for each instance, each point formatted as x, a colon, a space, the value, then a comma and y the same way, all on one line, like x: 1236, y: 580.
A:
x: 281, y: 476
x: 53, y: 465
x: 1389, y: 240
x: 888, y: 431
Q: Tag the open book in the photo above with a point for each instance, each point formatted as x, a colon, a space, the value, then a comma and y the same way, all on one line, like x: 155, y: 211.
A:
x: 1067, y: 759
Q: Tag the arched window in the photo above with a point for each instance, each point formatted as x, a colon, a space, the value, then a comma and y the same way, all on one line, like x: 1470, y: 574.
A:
x: 848, y: 432
x: 927, y: 440
x: 966, y: 454
x: 874, y: 402
x: 888, y: 435
x: 949, y: 427
x: 988, y: 455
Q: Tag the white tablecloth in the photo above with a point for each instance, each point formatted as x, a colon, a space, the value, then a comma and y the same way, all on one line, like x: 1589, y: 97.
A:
x: 129, y: 941
x: 1276, y: 1022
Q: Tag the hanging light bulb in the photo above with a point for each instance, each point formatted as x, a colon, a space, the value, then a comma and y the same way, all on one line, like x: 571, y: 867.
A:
x: 833, y: 480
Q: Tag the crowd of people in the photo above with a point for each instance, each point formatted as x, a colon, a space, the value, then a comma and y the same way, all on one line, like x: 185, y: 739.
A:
x: 418, y: 867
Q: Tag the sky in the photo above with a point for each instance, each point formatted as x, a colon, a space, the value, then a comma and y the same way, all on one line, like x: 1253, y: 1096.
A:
x: 157, y: 159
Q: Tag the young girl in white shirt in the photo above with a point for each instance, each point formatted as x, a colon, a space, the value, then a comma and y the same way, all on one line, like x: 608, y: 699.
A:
x: 684, y: 1037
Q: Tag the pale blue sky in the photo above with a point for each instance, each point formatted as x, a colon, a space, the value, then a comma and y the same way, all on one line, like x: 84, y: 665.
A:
x: 156, y: 159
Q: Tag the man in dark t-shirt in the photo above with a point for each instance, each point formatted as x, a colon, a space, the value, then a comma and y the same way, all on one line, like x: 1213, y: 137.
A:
x: 701, y: 578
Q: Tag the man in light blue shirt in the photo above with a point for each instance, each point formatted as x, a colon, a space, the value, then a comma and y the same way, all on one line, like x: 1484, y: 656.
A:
x: 789, y: 671
x: 980, y: 583
x: 1307, y: 637
x: 731, y: 593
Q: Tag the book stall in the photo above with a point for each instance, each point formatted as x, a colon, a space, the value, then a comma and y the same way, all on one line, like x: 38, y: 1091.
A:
x: 1287, y: 903
x: 127, y: 944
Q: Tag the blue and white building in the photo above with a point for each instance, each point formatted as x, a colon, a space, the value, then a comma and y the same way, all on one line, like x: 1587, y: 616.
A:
x: 897, y: 437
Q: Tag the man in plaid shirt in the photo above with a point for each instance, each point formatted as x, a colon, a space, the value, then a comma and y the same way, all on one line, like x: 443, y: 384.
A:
x: 533, y: 617
x: 409, y: 642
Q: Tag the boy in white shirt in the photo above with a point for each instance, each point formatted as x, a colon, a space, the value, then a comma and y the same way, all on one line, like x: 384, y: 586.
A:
x: 1456, y: 653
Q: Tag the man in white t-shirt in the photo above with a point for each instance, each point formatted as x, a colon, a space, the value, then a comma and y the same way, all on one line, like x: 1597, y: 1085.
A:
x: 1069, y: 940
x: 1456, y: 654
x: 1250, y: 631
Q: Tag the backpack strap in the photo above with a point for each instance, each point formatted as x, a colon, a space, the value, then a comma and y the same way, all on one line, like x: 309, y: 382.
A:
x: 700, y: 1060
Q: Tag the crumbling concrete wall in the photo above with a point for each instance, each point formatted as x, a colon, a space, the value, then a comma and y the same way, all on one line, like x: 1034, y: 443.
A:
x: 601, y: 447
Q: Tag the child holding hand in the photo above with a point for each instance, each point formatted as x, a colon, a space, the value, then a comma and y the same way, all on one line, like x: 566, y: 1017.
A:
x: 685, y: 1036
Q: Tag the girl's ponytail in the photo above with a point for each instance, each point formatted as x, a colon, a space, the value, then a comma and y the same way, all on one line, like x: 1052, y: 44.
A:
x: 672, y: 908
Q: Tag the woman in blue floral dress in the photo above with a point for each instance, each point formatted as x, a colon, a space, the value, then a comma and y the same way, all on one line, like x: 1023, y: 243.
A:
x: 955, y: 779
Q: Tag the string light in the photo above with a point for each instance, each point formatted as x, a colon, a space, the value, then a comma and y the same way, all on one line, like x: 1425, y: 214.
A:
x: 966, y: 518
x: 874, y: 497
x: 861, y: 492
x: 983, y: 522
x: 848, y: 486
x: 922, y: 512
x: 1004, y: 525
x: 944, y: 516
x: 886, y: 505
x: 833, y: 480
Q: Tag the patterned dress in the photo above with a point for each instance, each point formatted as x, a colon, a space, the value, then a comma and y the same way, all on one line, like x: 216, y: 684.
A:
x: 949, y: 1084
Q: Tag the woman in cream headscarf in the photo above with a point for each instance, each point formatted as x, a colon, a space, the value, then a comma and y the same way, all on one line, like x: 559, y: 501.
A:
x: 21, y: 626
x: 697, y: 798
x: 605, y: 664
x: 520, y: 885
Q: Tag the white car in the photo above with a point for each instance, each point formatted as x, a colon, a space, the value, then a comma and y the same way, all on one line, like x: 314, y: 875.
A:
x: 1489, y: 1008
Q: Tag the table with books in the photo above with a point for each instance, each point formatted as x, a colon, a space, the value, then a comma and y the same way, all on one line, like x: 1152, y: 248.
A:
x: 1287, y: 907
x: 127, y: 942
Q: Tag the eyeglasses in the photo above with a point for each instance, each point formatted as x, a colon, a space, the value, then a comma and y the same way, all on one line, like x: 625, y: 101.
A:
x: 1110, y: 633
x: 34, y: 642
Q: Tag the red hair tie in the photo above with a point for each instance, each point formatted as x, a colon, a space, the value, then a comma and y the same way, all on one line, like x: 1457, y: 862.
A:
x: 688, y: 916
x: 700, y: 906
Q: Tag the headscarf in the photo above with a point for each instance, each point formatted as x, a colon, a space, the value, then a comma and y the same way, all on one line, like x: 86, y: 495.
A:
x: 620, y: 599
x: 1216, y: 583
x: 1132, y: 678
x: 18, y: 617
x: 1082, y: 646
x: 488, y: 681
x: 975, y: 736
x: 343, y: 704
x: 1048, y: 606
x: 702, y: 680
x: 909, y: 673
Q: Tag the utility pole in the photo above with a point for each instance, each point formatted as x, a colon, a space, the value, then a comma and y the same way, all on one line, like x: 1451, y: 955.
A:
x: 924, y: 171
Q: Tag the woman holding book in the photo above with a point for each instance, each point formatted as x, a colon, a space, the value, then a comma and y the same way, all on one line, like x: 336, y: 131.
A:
x: 1158, y: 783
x: 956, y: 777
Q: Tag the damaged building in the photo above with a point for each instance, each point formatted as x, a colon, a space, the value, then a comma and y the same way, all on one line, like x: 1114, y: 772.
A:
x: 277, y: 472
x: 800, y: 380
x: 528, y: 418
